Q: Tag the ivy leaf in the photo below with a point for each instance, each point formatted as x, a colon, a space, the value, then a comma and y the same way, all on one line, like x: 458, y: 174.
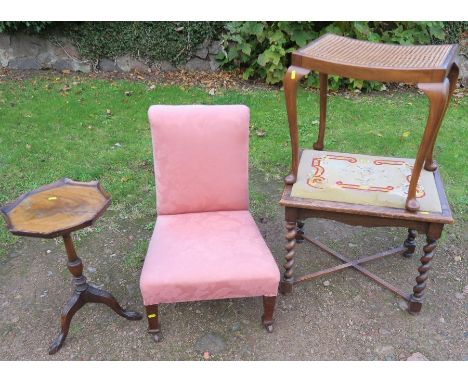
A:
x: 356, y: 84
x: 267, y: 56
x: 436, y: 29
x: 246, y: 48
x: 253, y: 27
x: 277, y: 37
x: 300, y: 37
x: 248, y: 73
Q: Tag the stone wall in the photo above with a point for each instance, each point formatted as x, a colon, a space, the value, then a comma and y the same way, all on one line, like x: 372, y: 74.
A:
x: 463, y: 60
x: 21, y: 51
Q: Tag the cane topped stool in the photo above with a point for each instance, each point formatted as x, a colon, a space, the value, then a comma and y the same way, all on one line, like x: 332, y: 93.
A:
x: 362, y: 190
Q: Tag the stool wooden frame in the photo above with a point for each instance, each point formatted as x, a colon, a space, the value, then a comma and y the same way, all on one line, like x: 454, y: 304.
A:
x: 434, y: 70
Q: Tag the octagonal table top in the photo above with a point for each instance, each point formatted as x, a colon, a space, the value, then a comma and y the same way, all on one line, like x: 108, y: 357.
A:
x: 56, y: 209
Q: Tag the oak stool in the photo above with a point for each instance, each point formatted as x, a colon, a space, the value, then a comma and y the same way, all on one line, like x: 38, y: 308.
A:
x: 362, y: 190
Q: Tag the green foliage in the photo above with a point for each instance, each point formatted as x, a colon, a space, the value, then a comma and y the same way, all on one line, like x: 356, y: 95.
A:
x: 453, y: 31
x: 261, y: 48
x: 24, y: 26
x: 172, y: 41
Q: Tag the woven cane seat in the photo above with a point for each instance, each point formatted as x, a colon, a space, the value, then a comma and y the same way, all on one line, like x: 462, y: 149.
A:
x: 348, y: 57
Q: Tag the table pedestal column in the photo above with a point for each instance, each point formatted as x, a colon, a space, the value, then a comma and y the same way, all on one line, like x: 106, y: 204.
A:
x: 83, y: 294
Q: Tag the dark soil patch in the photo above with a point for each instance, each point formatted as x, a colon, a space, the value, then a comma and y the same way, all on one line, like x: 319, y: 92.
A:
x: 347, y: 318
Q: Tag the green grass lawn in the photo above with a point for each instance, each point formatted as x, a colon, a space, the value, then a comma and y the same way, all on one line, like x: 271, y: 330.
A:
x: 95, y: 130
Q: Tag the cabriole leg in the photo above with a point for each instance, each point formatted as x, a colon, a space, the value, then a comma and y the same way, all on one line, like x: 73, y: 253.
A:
x: 452, y: 77
x: 437, y: 94
x: 323, y: 111
x: 290, y: 82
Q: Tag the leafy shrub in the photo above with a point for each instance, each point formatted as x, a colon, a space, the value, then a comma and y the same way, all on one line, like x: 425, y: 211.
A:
x: 172, y: 41
x: 24, y: 26
x: 261, y: 48
x: 453, y: 31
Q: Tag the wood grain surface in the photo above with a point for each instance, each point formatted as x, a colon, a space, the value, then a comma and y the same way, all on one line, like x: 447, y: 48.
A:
x: 56, y: 209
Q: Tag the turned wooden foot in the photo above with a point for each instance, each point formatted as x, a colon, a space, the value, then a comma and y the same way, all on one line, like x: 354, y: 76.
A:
x: 286, y: 284
x: 268, y: 309
x: 417, y: 298
x: 154, y: 325
x: 410, y: 243
x: 290, y: 179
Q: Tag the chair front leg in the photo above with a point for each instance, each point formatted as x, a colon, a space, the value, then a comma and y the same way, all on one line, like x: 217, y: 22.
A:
x: 290, y: 83
x: 438, y: 95
x: 452, y: 77
x: 269, y: 303
x: 154, y: 326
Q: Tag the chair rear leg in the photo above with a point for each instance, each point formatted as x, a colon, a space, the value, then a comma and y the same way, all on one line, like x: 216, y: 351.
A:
x: 154, y: 326
x: 269, y: 303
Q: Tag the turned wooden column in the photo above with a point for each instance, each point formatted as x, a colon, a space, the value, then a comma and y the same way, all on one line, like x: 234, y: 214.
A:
x: 410, y: 243
x: 286, y: 285
x: 74, y: 265
x: 417, y: 298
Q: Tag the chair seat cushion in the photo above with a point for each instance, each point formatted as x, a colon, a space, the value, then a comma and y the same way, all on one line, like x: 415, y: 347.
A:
x: 362, y: 179
x: 206, y: 256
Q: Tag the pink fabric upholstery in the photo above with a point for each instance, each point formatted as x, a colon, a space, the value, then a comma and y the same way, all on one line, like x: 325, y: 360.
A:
x: 201, y: 157
x: 205, y: 256
x: 205, y: 244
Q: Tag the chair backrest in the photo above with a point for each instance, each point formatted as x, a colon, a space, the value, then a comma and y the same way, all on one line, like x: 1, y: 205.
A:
x: 200, y: 157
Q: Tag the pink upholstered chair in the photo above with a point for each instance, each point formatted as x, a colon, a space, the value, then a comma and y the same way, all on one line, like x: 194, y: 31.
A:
x: 205, y: 244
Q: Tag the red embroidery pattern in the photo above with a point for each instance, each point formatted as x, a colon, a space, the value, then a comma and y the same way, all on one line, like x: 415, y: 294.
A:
x: 363, y: 188
x: 341, y: 157
x: 317, y: 178
x: 390, y: 162
x: 419, y: 193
